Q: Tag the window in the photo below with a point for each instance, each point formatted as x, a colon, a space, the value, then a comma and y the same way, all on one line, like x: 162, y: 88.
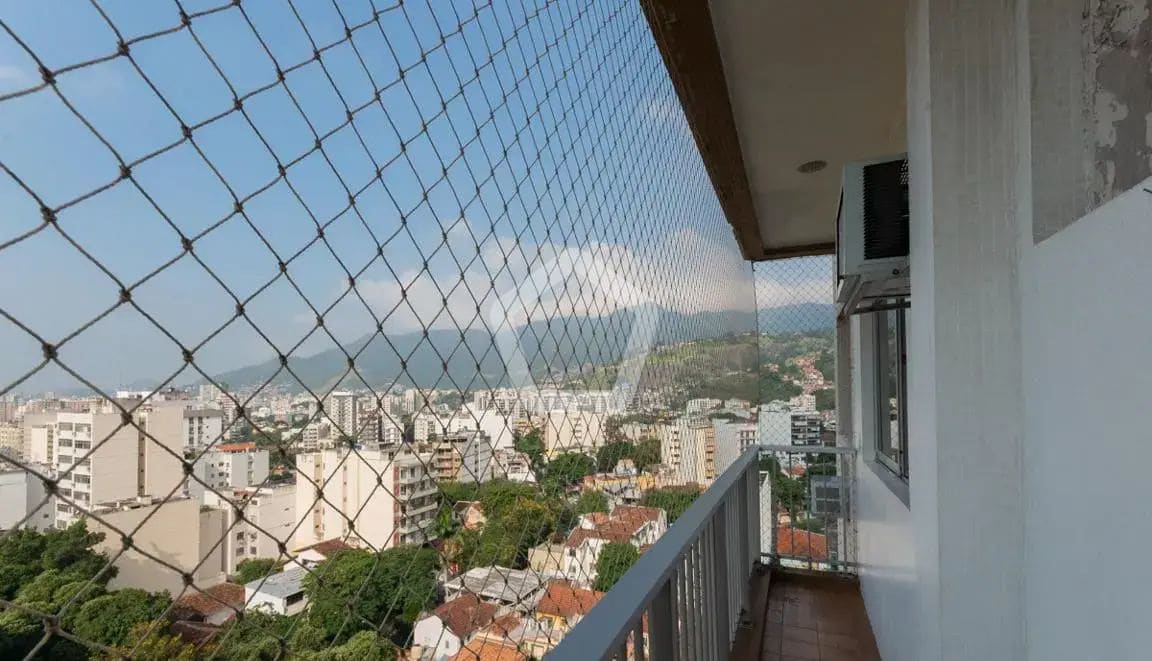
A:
x: 891, y: 391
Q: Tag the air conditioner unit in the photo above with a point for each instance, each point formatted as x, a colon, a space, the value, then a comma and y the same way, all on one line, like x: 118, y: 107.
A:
x: 872, y: 236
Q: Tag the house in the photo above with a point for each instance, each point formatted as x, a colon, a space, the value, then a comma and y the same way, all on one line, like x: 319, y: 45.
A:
x: 532, y: 637
x: 470, y: 514
x: 441, y: 634
x: 311, y: 556
x: 564, y: 605
x: 547, y: 558
x: 501, y: 585
x: 282, y: 594
x: 214, y: 605
x: 627, y: 524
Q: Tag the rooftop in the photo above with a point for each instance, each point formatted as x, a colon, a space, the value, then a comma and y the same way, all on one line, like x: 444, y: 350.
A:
x: 465, y: 614
x: 285, y: 584
x: 567, y: 601
x: 500, y: 583
x: 225, y: 596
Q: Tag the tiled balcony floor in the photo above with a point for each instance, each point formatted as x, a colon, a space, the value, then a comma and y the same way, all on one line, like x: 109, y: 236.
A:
x: 815, y: 618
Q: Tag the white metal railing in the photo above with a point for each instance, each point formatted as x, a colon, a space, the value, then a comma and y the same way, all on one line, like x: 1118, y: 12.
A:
x: 807, y: 498
x: 683, y: 599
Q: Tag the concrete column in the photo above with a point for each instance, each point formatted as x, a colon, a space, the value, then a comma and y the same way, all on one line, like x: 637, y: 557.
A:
x: 965, y: 396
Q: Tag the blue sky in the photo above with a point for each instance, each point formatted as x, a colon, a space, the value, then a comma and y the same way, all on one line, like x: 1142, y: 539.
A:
x: 600, y: 167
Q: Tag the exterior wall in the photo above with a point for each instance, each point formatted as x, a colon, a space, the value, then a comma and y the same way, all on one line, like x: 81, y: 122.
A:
x: 1088, y: 367
x: 572, y: 431
x: 1027, y: 343
x: 24, y: 499
x: 178, y: 533
x: 395, y: 512
x: 436, y: 641
x: 273, y: 510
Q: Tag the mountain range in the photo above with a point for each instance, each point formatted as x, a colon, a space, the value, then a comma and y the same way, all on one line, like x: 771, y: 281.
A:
x: 469, y: 359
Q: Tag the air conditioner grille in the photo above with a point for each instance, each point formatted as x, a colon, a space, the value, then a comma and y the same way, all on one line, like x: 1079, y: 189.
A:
x: 886, y: 210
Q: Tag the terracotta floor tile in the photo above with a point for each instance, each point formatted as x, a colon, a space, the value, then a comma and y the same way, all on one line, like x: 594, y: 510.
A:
x: 816, y: 618
x: 800, y: 650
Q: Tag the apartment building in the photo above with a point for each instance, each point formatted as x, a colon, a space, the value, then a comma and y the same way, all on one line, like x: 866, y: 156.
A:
x: 115, y: 471
x: 806, y: 427
x: 227, y: 467
x: 24, y: 502
x: 269, y: 518
x: 377, y: 426
x: 179, y: 530
x: 689, y: 450
x: 11, y: 440
x: 391, y: 494
x: 732, y: 439
x: 572, y: 431
x: 342, y: 410
x: 464, y: 457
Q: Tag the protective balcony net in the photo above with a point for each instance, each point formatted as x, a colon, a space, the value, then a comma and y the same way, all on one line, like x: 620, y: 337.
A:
x: 348, y: 329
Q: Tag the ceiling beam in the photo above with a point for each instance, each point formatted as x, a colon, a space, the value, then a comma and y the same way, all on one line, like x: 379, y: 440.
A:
x: 687, y: 42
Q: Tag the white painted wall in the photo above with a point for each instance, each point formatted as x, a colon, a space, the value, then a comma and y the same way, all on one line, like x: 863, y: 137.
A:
x: 1088, y: 368
x: 1030, y: 364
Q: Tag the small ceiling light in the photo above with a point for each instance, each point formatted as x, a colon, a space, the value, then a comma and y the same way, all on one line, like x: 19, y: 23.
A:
x: 811, y: 166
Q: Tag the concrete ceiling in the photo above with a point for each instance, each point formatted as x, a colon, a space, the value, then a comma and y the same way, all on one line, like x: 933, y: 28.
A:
x: 810, y: 80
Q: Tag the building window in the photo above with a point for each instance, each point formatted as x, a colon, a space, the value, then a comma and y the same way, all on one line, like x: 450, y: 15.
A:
x: 892, y: 391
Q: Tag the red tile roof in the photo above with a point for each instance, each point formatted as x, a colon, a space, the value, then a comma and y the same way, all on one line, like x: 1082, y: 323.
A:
x: 465, y: 614
x: 798, y: 543
x: 619, y: 526
x: 488, y: 650
x: 328, y: 547
x: 235, y: 447
x: 566, y: 601
x: 207, y: 602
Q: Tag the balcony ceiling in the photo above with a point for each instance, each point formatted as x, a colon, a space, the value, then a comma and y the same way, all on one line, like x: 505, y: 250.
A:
x: 818, y: 80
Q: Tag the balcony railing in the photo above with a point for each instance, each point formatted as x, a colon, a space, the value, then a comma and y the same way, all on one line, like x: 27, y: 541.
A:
x: 686, y: 595
x: 808, y: 523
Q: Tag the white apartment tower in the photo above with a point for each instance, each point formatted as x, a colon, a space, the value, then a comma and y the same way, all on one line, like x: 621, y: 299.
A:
x: 374, y: 498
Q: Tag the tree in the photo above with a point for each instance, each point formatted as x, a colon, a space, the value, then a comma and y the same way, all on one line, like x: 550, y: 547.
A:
x: 531, y: 445
x: 255, y: 569
x: 646, y: 453
x: 673, y: 500
x: 569, y: 468
x: 825, y: 399
x: 363, y: 646
x: 25, y: 553
x: 774, y: 387
x: 150, y: 641
x: 826, y: 363
x: 452, y: 492
x: 616, y: 558
x: 497, y: 497
x: 610, y: 454
x: 591, y: 501
x: 109, y: 619
x: 387, y: 589
x: 254, y: 637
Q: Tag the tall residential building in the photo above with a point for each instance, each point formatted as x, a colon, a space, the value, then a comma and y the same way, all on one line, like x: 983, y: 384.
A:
x: 117, y: 468
x: 572, y: 431
x: 732, y: 440
x: 806, y: 427
x: 464, y: 457
x: 227, y: 467
x: 390, y: 496
x: 209, y: 394
x: 377, y: 426
x: 269, y: 518
x: 11, y: 440
x: 695, y: 460
x: 341, y: 408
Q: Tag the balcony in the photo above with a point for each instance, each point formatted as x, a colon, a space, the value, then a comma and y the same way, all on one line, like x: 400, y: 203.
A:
x: 743, y: 573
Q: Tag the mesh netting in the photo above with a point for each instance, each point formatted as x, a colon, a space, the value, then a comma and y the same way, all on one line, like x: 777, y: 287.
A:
x: 324, y: 319
x: 807, y: 521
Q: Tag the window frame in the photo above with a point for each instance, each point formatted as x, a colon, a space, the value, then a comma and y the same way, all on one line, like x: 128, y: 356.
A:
x: 891, y: 453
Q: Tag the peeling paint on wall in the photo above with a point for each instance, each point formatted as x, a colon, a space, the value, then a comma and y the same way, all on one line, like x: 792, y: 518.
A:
x: 1119, y: 82
x: 1091, y: 105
